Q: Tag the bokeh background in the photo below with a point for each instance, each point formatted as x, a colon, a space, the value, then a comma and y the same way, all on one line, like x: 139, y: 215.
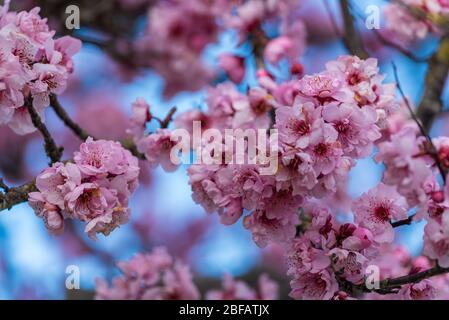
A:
x: 33, y: 263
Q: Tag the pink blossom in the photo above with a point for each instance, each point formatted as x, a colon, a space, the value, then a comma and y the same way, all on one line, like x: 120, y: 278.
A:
x: 140, y: 116
x: 376, y: 209
x: 404, y: 168
x: 153, y: 276
x: 436, y: 241
x: 95, y: 189
x: 239, y: 290
x: 357, y: 129
x: 350, y: 264
x: 403, y: 25
x: 324, y: 87
x: 277, y: 49
x: 358, y: 238
x: 325, y: 149
x: 55, y: 182
x: 101, y: 158
x: 302, y: 258
x: 314, y: 286
x: 51, y: 214
x: 254, y: 112
x: 423, y: 290
x: 265, y: 229
x: 157, y: 148
x: 33, y: 65
x: 234, y: 66
x: 297, y: 123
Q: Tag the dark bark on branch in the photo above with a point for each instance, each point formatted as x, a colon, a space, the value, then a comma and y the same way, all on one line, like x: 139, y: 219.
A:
x: 392, y: 285
x: 404, y: 222
x: 168, y: 118
x: 431, y: 105
x: 259, y: 41
x: 51, y: 149
x: 351, y: 38
x: 15, y: 195
x: 63, y: 115
x: 83, y: 134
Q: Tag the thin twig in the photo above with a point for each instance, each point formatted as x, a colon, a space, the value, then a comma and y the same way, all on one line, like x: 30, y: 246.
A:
x: 433, y: 150
x: 53, y: 151
x: 404, y: 222
x: 63, y: 115
x: 83, y: 134
x: 168, y: 118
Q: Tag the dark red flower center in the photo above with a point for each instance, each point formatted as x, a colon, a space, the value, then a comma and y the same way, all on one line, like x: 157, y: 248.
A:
x: 382, y: 214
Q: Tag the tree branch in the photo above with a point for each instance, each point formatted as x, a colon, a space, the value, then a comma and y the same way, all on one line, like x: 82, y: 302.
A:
x: 53, y: 151
x: 258, y: 41
x: 404, y: 222
x: 168, y: 118
x: 63, y: 115
x: 15, y: 195
x: 431, y: 104
x: 390, y: 285
x: 83, y: 134
x: 351, y: 38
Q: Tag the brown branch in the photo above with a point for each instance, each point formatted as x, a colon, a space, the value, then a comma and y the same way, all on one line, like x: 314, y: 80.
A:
x: 15, y: 195
x: 431, y: 105
x: 351, y: 38
x: 432, y: 150
x: 404, y: 222
x: 168, y: 118
x: 259, y: 41
x: 53, y: 151
x: 83, y: 134
x: 391, y: 285
x: 63, y: 115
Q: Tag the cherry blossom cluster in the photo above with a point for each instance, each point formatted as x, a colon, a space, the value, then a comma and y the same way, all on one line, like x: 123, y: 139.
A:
x: 158, y: 276
x: 395, y: 261
x: 179, y: 31
x: 406, y: 27
x: 289, y: 42
x: 333, y: 118
x: 95, y: 188
x: 327, y: 253
x: 411, y: 166
x: 331, y: 260
x: 33, y: 65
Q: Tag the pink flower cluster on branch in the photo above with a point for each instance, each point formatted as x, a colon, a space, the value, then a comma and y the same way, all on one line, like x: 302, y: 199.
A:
x: 33, y: 65
x: 94, y: 189
x: 405, y: 26
x: 158, y: 276
x: 324, y: 121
